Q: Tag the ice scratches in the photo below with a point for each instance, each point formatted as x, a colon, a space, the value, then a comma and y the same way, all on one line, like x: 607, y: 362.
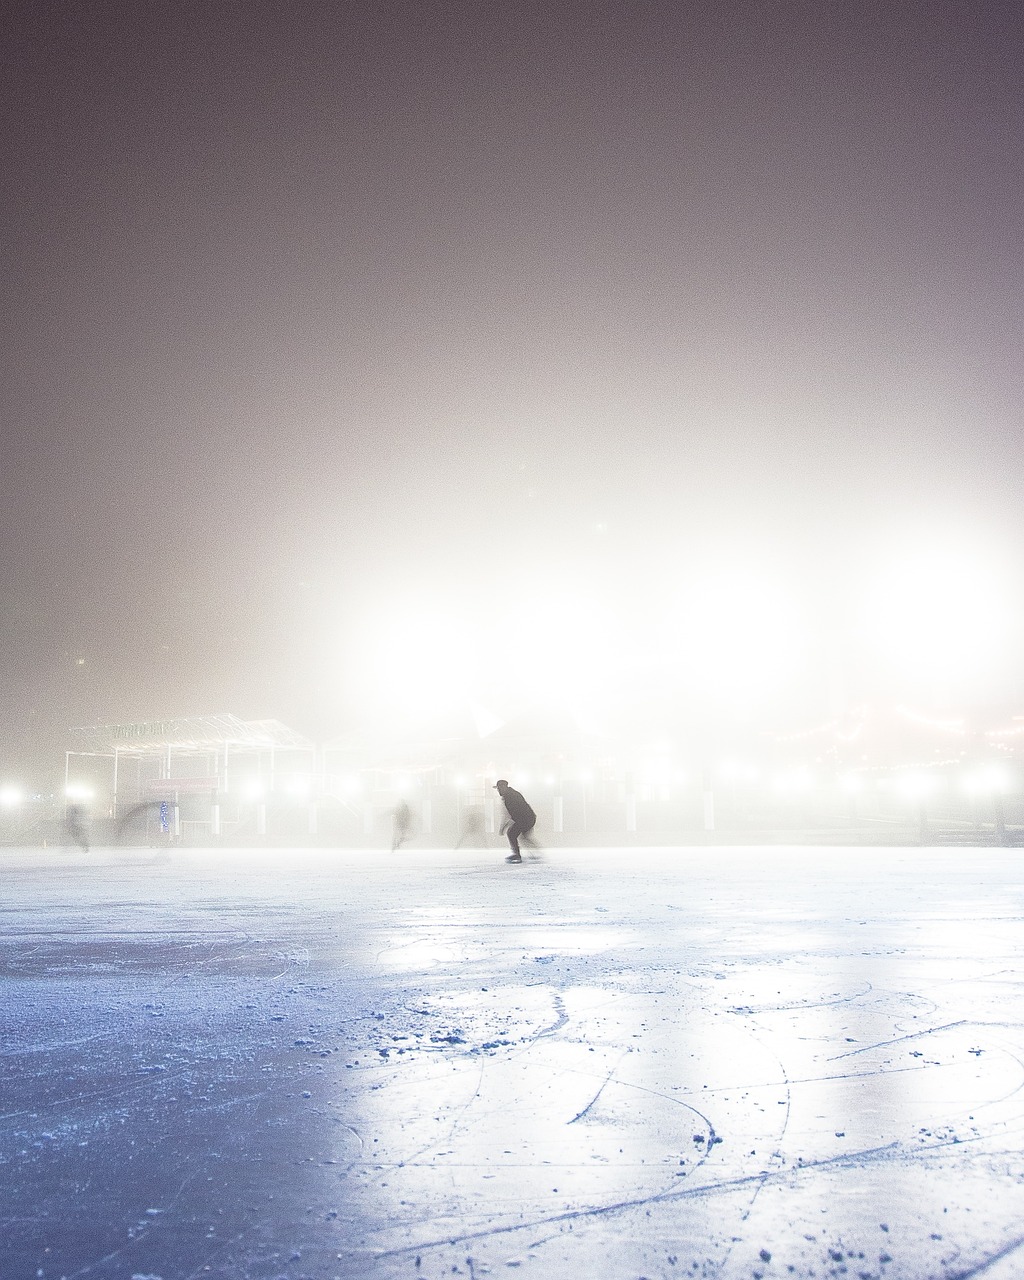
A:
x: 676, y: 1195
x: 105, y: 952
x: 802, y: 1004
x: 204, y: 1266
x: 777, y: 1156
x: 457, y: 1118
x: 49, y: 1048
x: 884, y: 1044
x: 713, y: 1138
x: 982, y: 1267
x: 120, y: 1088
x: 580, y: 1114
x: 134, y: 1237
x: 295, y: 959
x: 561, y: 1018
x: 573, y: 1215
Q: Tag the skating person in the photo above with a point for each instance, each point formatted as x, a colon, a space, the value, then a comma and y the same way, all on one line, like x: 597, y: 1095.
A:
x: 521, y: 818
x: 472, y: 828
x: 74, y: 824
x: 403, y: 821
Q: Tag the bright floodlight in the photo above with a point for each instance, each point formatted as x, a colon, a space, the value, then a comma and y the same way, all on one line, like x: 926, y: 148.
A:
x: 793, y: 782
x: 917, y: 786
x: 737, y: 771
x: 78, y: 791
x: 656, y: 771
x: 561, y: 649
x: 252, y: 789
x: 299, y: 785
x: 733, y: 634
x: 987, y: 780
x: 937, y: 614
x: 10, y: 796
x: 416, y: 663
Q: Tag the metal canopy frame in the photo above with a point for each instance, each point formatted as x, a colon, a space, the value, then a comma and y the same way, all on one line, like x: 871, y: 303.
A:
x: 185, y: 736
x: 216, y: 736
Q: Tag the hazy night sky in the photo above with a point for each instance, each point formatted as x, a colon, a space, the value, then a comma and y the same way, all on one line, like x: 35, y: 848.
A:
x: 315, y: 312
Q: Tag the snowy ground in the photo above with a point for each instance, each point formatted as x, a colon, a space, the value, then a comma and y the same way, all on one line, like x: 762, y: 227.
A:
x: 605, y: 1064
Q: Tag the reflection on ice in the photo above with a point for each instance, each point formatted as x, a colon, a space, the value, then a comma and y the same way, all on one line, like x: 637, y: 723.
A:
x: 676, y: 1067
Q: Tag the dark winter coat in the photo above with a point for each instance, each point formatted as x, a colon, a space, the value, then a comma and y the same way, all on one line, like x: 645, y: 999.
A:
x: 518, y: 809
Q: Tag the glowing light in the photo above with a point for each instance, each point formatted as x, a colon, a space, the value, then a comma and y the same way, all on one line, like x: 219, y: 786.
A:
x: 737, y: 771
x: 954, y: 725
x: 562, y: 651
x: 10, y: 796
x: 412, y: 662
x: 851, y: 783
x: 252, y: 789
x: 792, y: 782
x: 1013, y: 732
x: 299, y: 785
x: 937, y: 613
x: 917, y: 786
x: 656, y: 771
x: 987, y: 780
x: 78, y: 791
x: 734, y: 635
x: 804, y: 735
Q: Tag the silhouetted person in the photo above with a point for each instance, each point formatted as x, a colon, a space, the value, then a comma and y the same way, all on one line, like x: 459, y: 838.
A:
x: 403, y: 821
x: 521, y: 818
x: 74, y: 823
x: 472, y: 827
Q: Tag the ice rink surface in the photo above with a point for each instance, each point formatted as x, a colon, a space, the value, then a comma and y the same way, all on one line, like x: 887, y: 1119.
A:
x: 605, y: 1064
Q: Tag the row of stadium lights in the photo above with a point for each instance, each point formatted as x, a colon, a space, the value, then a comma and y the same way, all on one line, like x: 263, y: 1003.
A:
x: 919, y: 784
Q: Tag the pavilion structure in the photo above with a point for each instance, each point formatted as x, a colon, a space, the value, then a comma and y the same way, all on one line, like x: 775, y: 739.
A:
x: 204, y: 770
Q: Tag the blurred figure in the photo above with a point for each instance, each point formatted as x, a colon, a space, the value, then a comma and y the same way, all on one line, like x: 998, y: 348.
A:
x: 74, y: 826
x: 402, y: 816
x: 472, y: 828
x: 521, y: 819
x: 134, y: 822
x: 135, y: 819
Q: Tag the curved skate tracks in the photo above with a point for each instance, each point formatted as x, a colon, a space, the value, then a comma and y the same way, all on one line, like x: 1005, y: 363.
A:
x: 649, y: 1063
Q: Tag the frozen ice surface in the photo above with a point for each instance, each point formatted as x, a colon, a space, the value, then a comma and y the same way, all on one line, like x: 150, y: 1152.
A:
x: 608, y: 1063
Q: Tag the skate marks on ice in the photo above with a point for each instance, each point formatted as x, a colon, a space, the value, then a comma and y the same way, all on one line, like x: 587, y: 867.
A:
x: 345, y: 1080
x: 720, y: 1155
x: 809, y: 1086
x: 821, y: 1194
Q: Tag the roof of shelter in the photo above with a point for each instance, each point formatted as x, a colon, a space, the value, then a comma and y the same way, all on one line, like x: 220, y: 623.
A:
x: 188, y: 733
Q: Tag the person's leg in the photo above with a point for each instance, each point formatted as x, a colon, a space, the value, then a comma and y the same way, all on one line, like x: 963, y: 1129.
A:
x: 514, y: 831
